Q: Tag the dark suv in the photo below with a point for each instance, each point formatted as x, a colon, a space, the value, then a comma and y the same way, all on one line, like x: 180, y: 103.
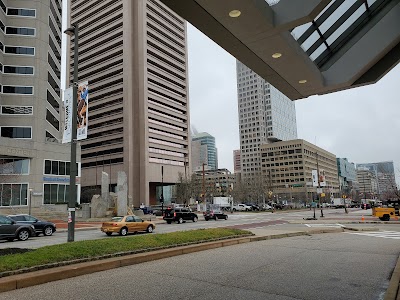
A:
x: 179, y: 215
x: 214, y: 214
x: 45, y: 227
x: 11, y: 230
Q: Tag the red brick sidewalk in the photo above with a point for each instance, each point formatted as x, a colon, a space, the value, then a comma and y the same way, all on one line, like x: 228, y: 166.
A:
x: 64, y: 225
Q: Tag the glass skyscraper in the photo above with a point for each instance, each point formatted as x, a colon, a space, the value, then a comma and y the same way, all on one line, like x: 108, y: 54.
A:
x: 207, y: 140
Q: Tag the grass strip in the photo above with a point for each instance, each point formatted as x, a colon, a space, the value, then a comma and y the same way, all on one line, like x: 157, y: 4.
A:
x: 110, y: 245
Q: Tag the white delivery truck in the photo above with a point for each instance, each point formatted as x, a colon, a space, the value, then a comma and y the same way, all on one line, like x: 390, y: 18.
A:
x: 338, y: 202
x: 223, y: 202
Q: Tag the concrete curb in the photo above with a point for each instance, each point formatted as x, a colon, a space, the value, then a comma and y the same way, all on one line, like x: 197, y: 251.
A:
x: 19, y: 281
x: 359, y: 229
x: 393, y: 291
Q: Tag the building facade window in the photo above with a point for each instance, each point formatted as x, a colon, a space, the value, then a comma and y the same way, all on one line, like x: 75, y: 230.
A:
x: 21, y: 70
x: 16, y: 132
x: 57, y: 167
x: 16, y: 110
x: 21, y: 12
x: 52, y: 120
x: 19, y: 50
x: 13, y: 194
x: 12, y: 166
x: 20, y: 31
x: 55, y: 193
x: 20, y: 90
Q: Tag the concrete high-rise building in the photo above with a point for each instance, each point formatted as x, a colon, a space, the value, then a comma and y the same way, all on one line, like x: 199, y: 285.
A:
x: 287, y: 168
x: 347, y: 175
x: 199, y: 156
x: 34, y: 166
x: 265, y: 115
x: 236, y: 161
x: 368, y: 183
x: 384, y: 173
x: 133, y: 53
x: 205, y: 143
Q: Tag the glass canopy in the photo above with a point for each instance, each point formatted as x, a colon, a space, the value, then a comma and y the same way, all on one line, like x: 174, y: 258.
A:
x: 339, y: 21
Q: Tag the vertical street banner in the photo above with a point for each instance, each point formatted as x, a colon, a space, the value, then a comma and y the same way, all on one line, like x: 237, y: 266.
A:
x: 322, y: 178
x: 82, y: 112
x: 314, y: 175
x: 67, y: 115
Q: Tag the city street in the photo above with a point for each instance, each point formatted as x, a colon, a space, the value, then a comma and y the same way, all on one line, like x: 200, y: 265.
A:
x: 325, y: 266
x: 245, y: 220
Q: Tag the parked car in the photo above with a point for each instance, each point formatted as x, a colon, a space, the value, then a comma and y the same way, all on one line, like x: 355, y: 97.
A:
x: 45, y: 227
x: 127, y: 224
x: 179, y: 215
x: 266, y: 207
x: 215, y: 214
x: 11, y: 230
x: 241, y: 207
x: 147, y: 210
x: 366, y: 206
x: 254, y: 207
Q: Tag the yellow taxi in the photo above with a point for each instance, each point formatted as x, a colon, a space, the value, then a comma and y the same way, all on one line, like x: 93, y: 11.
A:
x: 127, y: 224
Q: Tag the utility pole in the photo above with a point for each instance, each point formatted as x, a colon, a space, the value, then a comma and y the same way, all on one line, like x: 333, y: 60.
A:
x: 319, y: 182
x: 204, y: 190
x: 162, y: 190
x: 73, y: 32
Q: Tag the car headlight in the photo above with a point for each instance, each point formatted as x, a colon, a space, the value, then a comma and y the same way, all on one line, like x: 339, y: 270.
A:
x: 32, y: 227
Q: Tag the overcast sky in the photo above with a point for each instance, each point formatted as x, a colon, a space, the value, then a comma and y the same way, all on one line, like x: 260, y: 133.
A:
x: 360, y: 124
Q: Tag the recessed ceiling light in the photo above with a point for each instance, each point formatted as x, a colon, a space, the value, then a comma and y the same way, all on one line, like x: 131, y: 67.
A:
x: 276, y: 55
x: 302, y: 81
x: 235, y: 13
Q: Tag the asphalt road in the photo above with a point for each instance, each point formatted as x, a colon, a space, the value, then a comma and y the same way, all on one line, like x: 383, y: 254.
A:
x: 326, y: 266
x: 237, y: 220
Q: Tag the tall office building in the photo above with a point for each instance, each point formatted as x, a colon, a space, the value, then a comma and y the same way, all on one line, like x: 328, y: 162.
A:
x: 347, y: 175
x: 265, y: 115
x: 207, y: 152
x: 384, y: 172
x: 34, y: 166
x: 236, y: 161
x: 133, y: 53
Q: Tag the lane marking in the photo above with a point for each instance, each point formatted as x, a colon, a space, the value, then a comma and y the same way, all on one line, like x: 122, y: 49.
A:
x: 381, y: 234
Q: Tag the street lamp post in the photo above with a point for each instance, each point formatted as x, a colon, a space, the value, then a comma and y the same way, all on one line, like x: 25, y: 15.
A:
x: 73, y: 31
x: 204, y: 190
x: 319, y: 187
x: 162, y: 190
x: 30, y: 201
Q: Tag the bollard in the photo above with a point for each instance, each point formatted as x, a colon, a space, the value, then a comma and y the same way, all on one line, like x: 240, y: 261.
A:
x: 362, y: 218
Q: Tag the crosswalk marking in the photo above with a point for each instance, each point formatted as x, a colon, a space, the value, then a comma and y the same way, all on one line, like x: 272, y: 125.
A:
x: 382, y: 234
x: 325, y: 225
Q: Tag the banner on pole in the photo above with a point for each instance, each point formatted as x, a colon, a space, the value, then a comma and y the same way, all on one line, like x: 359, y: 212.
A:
x: 314, y: 175
x: 67, y: 115
x: 82, y: 112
